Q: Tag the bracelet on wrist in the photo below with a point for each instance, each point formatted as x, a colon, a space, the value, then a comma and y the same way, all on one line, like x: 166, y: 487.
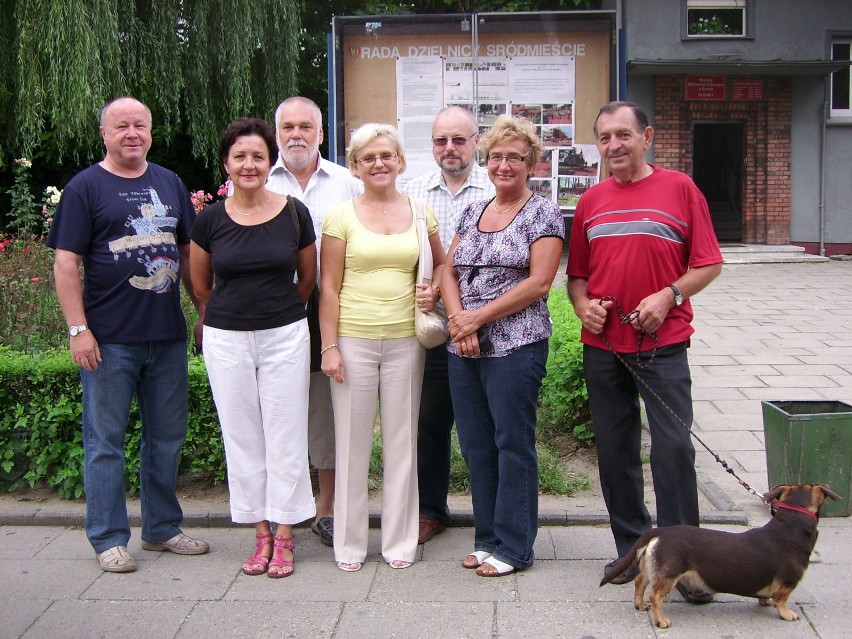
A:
x: 327, y: 348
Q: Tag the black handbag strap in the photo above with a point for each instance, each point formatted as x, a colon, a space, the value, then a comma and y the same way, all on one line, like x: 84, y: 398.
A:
x: 295, y: 217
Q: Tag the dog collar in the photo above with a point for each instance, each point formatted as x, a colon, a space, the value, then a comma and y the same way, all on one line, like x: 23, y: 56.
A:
x: 781, y: 504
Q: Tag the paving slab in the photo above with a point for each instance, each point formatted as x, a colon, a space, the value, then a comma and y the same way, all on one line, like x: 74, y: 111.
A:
x: 768, y: 331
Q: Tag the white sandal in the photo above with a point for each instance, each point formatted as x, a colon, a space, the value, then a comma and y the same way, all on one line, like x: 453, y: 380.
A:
x: 480, y: 555
x: 501, y: 568
x: 347, y: 567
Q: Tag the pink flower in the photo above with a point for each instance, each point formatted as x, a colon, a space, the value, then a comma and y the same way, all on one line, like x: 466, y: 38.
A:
x: 35, y: 280
x: 224, y: 188
x: 199, y: 200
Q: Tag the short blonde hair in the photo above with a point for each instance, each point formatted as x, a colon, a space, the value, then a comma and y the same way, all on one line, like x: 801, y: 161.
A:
x: 367, y: 133
x: 508, y: 128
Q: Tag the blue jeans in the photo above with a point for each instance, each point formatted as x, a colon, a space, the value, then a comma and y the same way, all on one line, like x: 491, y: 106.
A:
x: 434, y: 432
x: 495, y: 399
x: 156, y: 373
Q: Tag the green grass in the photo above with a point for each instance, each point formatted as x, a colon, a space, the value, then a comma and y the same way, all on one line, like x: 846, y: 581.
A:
x: 553, y: 477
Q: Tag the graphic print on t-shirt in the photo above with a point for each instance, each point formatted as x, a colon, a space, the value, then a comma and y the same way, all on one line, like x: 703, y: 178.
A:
x: 153, y: 243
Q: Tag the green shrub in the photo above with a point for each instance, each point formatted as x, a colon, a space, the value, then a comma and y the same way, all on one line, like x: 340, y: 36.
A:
x: 40, y: 430
x: 564, y: 401
x: 30, y: 318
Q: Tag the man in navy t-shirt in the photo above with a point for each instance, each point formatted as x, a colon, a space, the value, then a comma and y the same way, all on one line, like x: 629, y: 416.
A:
x: 127, y: 222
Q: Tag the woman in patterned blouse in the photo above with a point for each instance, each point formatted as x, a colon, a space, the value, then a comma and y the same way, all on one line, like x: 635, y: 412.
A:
x: 499, y: 269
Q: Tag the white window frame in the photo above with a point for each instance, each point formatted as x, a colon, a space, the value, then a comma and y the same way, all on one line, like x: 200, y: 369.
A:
x: 709, y: 5
x: 845, y: 113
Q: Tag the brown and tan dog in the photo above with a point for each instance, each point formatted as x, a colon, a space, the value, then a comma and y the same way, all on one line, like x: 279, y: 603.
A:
x: 766, y: 562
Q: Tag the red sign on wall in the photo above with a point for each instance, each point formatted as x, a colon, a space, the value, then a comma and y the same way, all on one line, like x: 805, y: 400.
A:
x: 747, y: 89
x: 705, y: 87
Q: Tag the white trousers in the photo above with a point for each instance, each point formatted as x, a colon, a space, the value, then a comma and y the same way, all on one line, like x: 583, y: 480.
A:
x: 260, y: 385
x: 392, y: 371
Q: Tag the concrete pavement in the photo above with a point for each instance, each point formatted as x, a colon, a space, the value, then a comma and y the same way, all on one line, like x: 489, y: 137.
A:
x: 767, y: 331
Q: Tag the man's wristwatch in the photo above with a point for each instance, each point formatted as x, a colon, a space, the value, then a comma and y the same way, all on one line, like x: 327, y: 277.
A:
x: 73, y: 331
x: 677, y: 294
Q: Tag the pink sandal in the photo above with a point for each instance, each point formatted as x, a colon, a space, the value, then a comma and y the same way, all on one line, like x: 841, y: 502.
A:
x: 258, y: 563
x: 278, y: 562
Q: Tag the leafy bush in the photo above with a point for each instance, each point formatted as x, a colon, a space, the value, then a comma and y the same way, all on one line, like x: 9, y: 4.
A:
x: 564, y: 401
x: 30, y: 317
x: 40, y: 430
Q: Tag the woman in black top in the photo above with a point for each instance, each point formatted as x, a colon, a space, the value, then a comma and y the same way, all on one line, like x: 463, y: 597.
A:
x: 244, y: 254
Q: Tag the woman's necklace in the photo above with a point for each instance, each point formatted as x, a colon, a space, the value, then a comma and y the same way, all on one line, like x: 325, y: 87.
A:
x: 508, y: 208
x: 378, y: 208
x: 259, y: 209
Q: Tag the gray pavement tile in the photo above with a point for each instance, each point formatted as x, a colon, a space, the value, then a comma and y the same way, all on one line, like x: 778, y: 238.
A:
x: 166, y: 577
x: 798, y: 381
x: 442, y: 581
x: 276, y: 618
x: 16, y: 615
x: 732, y: 440
x: 740, y: 619
x: 24, y: 543
x: 584, y: 542
x: 783, y: 393
x: 736, y: 407
x: 721, y: 421
x: 752, y: 461
x: 54, y: 579
x: 575, y: 580
x: 546, y: 620
x: 413, y: 620
x: 709, y: 373
x: 822, y: 368
x: 716, y: 394
x: 732, y: 381
x: 830, y: 583
x: 71, y: 543
x: 831, y: 622
x: 451, y: 545
x: 704, y: 358
x: 773, y: 358
x: 128, y: 620
x: 312, y: 581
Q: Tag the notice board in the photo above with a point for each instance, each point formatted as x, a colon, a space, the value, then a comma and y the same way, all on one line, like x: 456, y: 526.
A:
x: 554, y: 69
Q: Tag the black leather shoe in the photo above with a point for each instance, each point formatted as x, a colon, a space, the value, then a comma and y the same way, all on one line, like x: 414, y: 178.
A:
x: 324, y: 527
x: 696, y: 596
x: 624, y: 578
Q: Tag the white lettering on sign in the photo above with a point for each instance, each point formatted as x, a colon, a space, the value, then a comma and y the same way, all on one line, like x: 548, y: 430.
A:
x: 467, y: 51
x: 537, y: 50
x: 379, y: 52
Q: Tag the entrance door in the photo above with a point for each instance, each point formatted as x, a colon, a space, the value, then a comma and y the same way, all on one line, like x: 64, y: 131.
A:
x: 717, y: 169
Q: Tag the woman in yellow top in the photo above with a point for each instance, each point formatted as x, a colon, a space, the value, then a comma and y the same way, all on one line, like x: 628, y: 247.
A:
x: 368, y: 264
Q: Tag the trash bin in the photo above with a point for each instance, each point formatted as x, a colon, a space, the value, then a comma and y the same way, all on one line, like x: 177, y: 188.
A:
x: 810, y: 442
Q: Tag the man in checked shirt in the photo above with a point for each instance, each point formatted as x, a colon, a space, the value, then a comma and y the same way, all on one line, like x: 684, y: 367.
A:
x: 457, y: 182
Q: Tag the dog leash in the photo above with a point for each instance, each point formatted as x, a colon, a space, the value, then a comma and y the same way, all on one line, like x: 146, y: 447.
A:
x: 627, y: 318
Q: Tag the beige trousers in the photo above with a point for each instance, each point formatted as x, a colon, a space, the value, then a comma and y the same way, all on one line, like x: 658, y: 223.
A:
x: 392, y: 371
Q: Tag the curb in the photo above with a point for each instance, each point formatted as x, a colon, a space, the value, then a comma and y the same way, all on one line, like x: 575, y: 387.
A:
x: 726, y: 512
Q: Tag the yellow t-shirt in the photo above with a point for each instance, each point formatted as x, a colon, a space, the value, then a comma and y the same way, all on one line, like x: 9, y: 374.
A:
x: 377, y: 292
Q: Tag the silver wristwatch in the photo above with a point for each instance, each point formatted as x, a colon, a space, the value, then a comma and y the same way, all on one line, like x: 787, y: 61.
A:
x: 73, y: 331
x: 678, y: 297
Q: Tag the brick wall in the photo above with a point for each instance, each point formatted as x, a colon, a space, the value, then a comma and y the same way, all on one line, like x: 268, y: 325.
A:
x: 766, y: 122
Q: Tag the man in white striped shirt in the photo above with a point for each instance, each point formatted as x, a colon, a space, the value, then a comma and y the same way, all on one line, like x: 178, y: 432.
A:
x: 458, y: 182
x: 320, y: 184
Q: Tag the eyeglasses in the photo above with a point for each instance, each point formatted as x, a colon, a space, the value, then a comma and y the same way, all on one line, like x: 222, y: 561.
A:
x: 370, y: 160
x: 513, y: 159
x: 457, y: 140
